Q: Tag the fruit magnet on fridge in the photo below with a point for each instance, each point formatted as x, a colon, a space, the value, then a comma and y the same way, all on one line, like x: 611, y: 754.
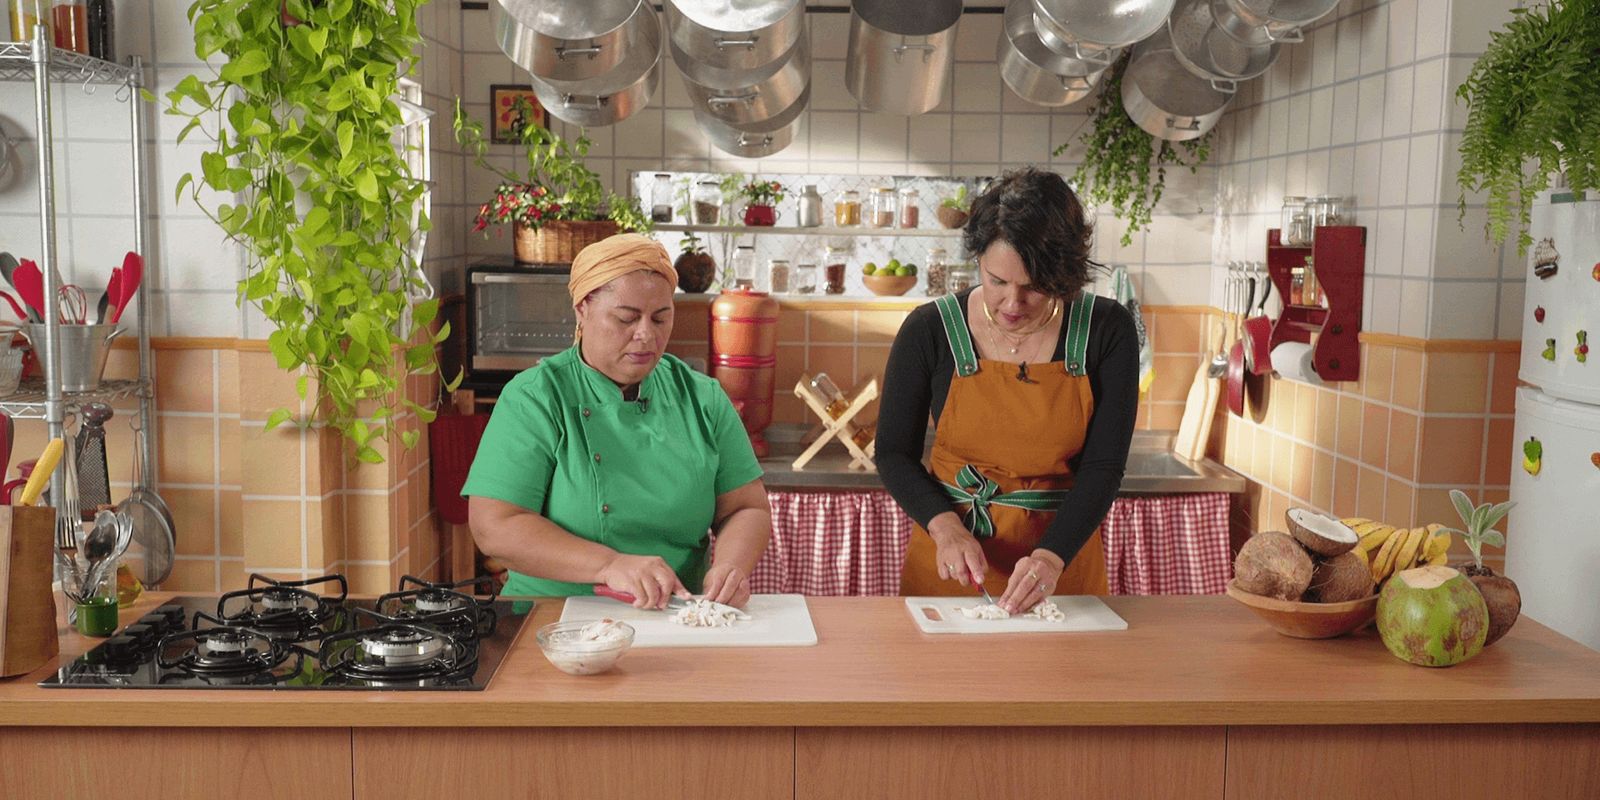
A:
x: 1532, y: 455
x: 1549, y: 352
x: 1538, y: 314
x: 1545, y: 259
x: 1582, y: 350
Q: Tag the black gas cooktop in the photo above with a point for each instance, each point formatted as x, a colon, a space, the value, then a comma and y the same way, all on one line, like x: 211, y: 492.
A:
x: 309, y: 635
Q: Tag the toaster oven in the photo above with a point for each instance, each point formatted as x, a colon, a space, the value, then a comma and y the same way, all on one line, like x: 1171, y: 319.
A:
x: 516, y: 315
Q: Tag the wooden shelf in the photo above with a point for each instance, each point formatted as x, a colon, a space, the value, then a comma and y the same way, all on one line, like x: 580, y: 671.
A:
x: 859, y: 232
x: 1339, y: 256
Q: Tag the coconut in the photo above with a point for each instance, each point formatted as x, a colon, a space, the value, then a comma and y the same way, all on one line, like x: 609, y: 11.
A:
x: 1271, y: 564
x: 1343, y: 577
x: 1502, y: 597
x: 1432, y: 616
x: 1321, y: 534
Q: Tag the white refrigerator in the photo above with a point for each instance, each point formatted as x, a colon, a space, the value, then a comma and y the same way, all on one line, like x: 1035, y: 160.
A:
x: 1553, y: 540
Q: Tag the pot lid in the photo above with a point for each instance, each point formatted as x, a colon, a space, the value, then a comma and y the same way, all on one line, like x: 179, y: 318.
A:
x: 924, y: 18
x: 735, y: 16
x: 563, y: 19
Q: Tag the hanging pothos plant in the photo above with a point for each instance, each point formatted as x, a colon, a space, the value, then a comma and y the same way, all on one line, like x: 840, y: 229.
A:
x: 302, y: 121
x: 1533, y: 110
x: 1123, y: 166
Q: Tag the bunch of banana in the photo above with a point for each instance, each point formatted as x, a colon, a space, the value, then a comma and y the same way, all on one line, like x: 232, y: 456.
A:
x: 1388, y: 549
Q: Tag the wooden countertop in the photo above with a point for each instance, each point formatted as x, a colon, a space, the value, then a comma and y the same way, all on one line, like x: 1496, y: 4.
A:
x: 1182, y: 661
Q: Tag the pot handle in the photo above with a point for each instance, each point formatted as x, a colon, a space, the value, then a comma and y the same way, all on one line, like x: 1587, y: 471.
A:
x: 594, y: 102
x: 1224, y: 85
x: 745, y: 141
x: 748, y: 43
x: 728, y: 100
x: 1074, y: 82
x: 899, y: 50
x: 1193, y: 124
x: 1291, y: 36
x: 591, y: 51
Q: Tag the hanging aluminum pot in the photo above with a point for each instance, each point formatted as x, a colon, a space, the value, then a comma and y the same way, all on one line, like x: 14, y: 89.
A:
x: 1036, y: 73
x: 1282, y: 19
x: 763, y: 100
x: 559, y: 40
x: 635, y: 64
x: 757, y: 140
x: 1249, y: 33
x: 724, y: 40
x: 1161, y: 96
x: 1206, y: 51
x: 593, y: 109
x: 900, y: 53
x: 1084, y: 28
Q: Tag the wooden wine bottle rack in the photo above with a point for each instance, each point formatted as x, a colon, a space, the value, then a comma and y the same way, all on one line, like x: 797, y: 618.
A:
x: 840, y: 428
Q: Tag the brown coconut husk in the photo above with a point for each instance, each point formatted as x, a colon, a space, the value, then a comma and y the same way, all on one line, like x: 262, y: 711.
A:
x: 1341, y: 578
x: 1272, y: 564
x: 1500, y: 594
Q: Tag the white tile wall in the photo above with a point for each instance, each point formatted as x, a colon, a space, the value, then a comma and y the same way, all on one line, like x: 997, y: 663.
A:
x: 1380, y: 124
x: 192, y: 269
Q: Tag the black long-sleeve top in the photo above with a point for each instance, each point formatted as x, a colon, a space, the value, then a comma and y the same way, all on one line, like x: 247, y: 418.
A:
x: 917, y: 380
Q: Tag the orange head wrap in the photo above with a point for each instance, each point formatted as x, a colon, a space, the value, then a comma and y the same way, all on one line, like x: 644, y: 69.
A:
x: 610, y: 258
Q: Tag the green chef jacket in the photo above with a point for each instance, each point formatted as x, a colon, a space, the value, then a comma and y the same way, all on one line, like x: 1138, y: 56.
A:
x: 641, y: 477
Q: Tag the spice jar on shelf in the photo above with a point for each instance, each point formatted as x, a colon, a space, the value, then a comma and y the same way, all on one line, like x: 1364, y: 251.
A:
x: 707, y: 202
x: 1311, y: 288
x: 1289, y: 232
x: 661, y: 198
x: 744, y: 266
x: 936, y: 270
x: 805, y: 279
x: 69, y: 21
x: 810, y: 207
x: 847, y: 209
x: 883, y: 207
x: 1297, y: 286
x: 26, y: 15
x: 780, y: 276
x: 910, y: 208
x: 834, y: 264
x: 960, y: 277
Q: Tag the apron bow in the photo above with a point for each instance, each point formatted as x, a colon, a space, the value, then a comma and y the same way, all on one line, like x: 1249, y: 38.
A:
x: 980, y: 492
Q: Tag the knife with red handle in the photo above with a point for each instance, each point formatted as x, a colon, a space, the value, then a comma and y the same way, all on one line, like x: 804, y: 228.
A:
x: 603, y: 590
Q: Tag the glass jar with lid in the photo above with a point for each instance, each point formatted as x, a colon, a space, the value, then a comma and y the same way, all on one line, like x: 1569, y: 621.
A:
x: 830, y: 395
x: 847, y: 209
x: 706, y: 202
x: 780, y: 276
x: 937, y: 269
x: 805, y: 279
x: 835, y: 262
x: 883, y: 207
x: 1288, y: 231
x: 960, y: 277
x: 661, y: 198
x: 810, y: 207
x: 910, y: 208
x: 744, y: 266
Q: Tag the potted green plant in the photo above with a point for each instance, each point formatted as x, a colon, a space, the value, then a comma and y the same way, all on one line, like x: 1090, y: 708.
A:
x: 319, y: 198
x: 1500, y: 593
x: 1124, y: 167
x: 1532, y: 112
x: 696, y: 268
x: 953, y: 210
x: 761, y: 199
x: 555, y: 205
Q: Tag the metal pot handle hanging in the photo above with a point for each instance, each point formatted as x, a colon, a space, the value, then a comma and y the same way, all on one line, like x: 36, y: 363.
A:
x: 728, y: 100
x: 900, y: 49
x: 591, y: 51
x: 594, y: 103
x: 748, y: 43
x: 1192, y: 125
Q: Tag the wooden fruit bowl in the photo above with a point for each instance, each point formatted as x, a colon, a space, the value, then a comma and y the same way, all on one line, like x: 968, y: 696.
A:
x: 1309, y: 620
x: 889, y: 284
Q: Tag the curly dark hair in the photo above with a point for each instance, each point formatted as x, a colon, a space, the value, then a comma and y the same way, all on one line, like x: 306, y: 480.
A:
x: 1035, y: 212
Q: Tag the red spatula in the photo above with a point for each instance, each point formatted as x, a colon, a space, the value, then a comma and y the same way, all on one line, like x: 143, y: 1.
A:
x: 30, y: 286
x: 132, y: 274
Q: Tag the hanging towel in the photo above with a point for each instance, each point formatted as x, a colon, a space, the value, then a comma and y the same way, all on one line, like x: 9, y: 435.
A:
x: 1122, y: 290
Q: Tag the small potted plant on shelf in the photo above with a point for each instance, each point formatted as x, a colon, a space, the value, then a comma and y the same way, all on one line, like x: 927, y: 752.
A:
x: 557, y: 206
x: 761, y: 199
x: 952, y: 210
x: 696, y: 268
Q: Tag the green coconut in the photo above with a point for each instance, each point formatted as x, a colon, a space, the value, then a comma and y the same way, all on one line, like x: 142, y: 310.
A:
x: 1432, y: 616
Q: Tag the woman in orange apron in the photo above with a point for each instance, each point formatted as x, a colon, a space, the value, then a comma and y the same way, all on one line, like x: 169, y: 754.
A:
x: 1032, y: 382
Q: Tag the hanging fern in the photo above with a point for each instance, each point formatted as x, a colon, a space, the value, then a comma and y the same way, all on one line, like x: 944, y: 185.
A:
x: 1533, y: 110
x: 1123, y: 166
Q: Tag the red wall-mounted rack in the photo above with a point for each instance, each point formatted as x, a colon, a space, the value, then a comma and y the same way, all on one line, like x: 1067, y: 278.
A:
x: 1339, y: 256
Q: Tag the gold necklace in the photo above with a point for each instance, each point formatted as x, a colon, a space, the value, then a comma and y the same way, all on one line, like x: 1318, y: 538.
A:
x: 1055, y: 309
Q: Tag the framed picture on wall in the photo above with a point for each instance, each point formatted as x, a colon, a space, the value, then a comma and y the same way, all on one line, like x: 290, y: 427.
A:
x: 512, y: 103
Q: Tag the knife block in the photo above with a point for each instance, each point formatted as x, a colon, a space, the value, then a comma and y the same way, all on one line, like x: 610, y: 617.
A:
x: 27, y: 604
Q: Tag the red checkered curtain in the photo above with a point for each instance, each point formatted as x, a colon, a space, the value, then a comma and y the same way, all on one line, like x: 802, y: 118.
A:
x: 834, y: 543
x: 1170, y: 544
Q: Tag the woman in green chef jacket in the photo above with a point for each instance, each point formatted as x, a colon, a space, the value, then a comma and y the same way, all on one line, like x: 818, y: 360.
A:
x: 609, y: 462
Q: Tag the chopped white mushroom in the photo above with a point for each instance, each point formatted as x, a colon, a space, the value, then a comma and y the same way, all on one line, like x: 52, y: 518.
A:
x: 708, y: 614
x: 1046, y: 610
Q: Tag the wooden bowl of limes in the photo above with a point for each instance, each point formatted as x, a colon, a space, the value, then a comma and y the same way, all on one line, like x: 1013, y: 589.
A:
x: 890, y: 281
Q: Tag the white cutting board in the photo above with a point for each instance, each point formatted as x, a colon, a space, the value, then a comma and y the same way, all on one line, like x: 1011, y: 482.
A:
x: 1084, y: 613
x: 776, y: 620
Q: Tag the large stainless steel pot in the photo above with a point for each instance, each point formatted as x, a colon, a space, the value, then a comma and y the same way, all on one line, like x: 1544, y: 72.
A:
x: 591, y: 109
x: 1252, y: 34
x: 1205, y: 50
x: 636, y: 63
x: 900, y: 53
x: 560, y: 40
x: 758, y: 140
x: 1164, y: 98
x: 720, y: 37
x: 767, y: 98
x: 1282, y: 14
x: 1078, y: 28
x: 1035, y: 72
